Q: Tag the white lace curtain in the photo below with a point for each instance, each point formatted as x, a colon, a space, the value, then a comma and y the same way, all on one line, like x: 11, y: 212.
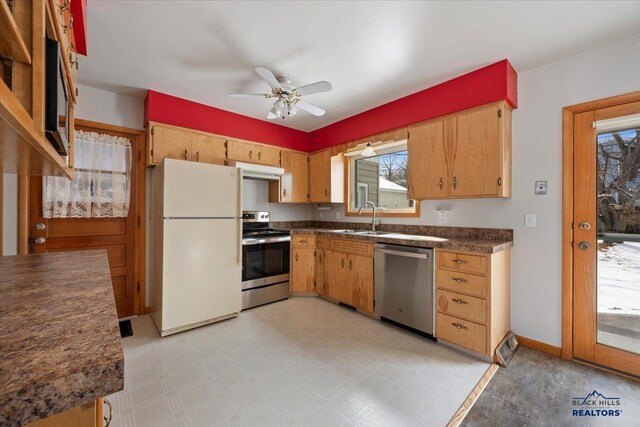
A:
x: 102, y: 184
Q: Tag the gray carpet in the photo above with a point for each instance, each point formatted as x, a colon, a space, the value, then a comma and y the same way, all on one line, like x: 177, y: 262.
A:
x: 538, y: 390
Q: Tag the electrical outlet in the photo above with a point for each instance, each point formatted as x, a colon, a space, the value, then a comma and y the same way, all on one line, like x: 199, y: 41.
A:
x: 442, y: 217
x: 321, y: 215
x: 541, y: 188
x: 530, y: 220
x: 338, y: 215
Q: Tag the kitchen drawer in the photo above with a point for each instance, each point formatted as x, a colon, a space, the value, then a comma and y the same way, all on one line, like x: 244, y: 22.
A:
x: 471, y: 308
x: 303, y: 241
x: 462, y: 262
x: 462, y: 332
x: 350, y: 246
x: 472, y: 284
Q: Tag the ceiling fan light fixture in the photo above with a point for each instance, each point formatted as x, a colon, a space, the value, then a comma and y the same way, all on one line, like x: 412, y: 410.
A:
x: 368, y: 151
x: 275, y: 111
x: 291, y: 109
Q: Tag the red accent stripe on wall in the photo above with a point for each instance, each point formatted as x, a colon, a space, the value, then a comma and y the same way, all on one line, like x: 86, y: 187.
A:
x: 493, y: 83
x: 163, y: 108
x: 79, y: 12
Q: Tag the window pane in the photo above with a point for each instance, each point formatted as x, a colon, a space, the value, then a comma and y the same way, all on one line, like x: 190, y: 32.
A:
x: 383, y: 181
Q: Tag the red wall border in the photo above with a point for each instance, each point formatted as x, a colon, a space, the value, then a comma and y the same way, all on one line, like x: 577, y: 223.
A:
x: 492, y: 83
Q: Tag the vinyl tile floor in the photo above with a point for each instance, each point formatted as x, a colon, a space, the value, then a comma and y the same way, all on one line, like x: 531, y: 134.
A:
x: 303, y: 361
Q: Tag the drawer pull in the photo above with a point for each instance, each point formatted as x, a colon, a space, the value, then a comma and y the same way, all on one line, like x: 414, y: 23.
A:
x: 459, y: 326
x: 457, y: 301
x: 459, y: 279
x: 459, y: 261
x: 296, y: 257
x: 302, y: 241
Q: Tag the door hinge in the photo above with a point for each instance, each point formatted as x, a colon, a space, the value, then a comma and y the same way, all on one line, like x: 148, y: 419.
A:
x: 152, y: 152
x: 374, y: 302
x: 499, y: 181
x: 499, y: 113
x: 138, y: 286
x: 408, y: 135
x: 139, y: 221
x: 151, y: 131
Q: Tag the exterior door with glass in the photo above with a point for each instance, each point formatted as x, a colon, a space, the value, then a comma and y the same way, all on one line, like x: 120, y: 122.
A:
x: 606, y: 237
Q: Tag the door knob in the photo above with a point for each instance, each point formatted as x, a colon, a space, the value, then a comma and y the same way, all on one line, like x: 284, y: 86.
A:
x: 39, y: 226
x: 585, y: 226
x: 39, y: 240
x: 584, y: 245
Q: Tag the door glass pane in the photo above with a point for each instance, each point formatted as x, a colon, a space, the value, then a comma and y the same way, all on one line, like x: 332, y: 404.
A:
x: 618, y: 228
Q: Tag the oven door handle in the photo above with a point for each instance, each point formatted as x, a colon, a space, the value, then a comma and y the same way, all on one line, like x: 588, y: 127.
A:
x: 239, y: 212
x: 252, y: 241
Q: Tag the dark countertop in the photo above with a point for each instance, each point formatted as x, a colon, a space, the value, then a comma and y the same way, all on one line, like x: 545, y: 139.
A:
x: 60, y: 343
x: 465, y: 244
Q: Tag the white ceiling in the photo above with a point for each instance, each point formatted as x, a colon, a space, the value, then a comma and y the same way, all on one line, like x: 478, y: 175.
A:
x: 372, y: 52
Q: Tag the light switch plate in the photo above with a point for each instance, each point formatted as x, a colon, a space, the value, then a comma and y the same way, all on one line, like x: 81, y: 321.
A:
x: 541, y: 188
x: 530, y: 220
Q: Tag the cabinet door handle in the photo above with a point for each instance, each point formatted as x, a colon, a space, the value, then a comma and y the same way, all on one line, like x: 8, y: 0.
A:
x: 185, y: 154
x: 459, y: 279
x: 459, y: 301
x: 197, y: 156
x: 455, y: 183
x: 326, y: 193
x: 350, y: 264
x: 459, y: 261
x: 259, y: 154
x: 342, y: 263
x: 250, y: 154
x: 459, y: 326
x: 440, y: 183
x: 284, y: 192
x: 296, y: 257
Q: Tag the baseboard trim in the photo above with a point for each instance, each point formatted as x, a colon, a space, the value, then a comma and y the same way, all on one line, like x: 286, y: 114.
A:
x: 540, y: 346
x: 462, y: 412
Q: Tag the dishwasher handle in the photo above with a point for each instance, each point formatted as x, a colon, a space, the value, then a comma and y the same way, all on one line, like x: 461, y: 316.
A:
x: 402, y: 253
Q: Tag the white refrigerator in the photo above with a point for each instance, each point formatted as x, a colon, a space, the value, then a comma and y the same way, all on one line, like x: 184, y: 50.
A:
x: 196, y: 244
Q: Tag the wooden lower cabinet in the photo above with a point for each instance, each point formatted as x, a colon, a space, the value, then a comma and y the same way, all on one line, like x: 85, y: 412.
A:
x: 360, y: 276
x: 318, y: 272
x: 87, y: 415
x: 336, y: 277
x: 302, y: 270
x: 473, y: 299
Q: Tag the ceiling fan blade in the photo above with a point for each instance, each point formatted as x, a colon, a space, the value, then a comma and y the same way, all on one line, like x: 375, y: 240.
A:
x: 310, y: 108
x: 316, y: 87
x: 249, y: 95
x: 268, y: 77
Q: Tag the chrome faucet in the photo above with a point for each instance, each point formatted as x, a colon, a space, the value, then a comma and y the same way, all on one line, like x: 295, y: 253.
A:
x: 373, y: 220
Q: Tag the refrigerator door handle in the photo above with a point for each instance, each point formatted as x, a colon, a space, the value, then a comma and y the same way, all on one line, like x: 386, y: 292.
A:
x: 239, y: 217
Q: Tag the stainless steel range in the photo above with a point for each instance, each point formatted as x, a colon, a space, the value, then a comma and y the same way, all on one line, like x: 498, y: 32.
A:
x: 265, y: 261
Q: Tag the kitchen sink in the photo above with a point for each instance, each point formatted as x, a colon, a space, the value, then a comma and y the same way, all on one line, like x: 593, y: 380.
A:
x: 370, y: 233
x: 343, y: 231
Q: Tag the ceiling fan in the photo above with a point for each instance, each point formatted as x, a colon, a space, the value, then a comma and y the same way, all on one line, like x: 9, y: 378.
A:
x: 287, y: 96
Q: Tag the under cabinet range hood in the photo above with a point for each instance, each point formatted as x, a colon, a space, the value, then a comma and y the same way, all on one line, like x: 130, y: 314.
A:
x: 257, y: 172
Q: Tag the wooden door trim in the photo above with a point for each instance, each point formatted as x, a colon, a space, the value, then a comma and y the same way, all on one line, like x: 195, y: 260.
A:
x: 568, y: 114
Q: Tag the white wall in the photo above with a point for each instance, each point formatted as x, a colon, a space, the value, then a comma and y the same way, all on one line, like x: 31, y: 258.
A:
x: 108, y: 107
x: 255, y: 195
x: 10, y: 214
x: 537, y: 154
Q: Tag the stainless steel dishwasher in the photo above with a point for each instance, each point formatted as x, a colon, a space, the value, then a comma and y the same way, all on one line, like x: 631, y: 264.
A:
x: 404, y: 291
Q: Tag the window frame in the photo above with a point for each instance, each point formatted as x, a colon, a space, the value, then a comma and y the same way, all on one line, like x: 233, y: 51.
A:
x: 351, y: 190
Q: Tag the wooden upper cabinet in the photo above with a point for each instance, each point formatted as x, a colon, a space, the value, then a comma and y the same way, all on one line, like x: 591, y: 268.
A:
x: 168, y: 142
x: 293, y: 186
x: 463, y: 155
x: 326, y: 177
x: 476, y: 167
x: 243, y: 151
x: 427, y: 163
x: 208, y: 149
